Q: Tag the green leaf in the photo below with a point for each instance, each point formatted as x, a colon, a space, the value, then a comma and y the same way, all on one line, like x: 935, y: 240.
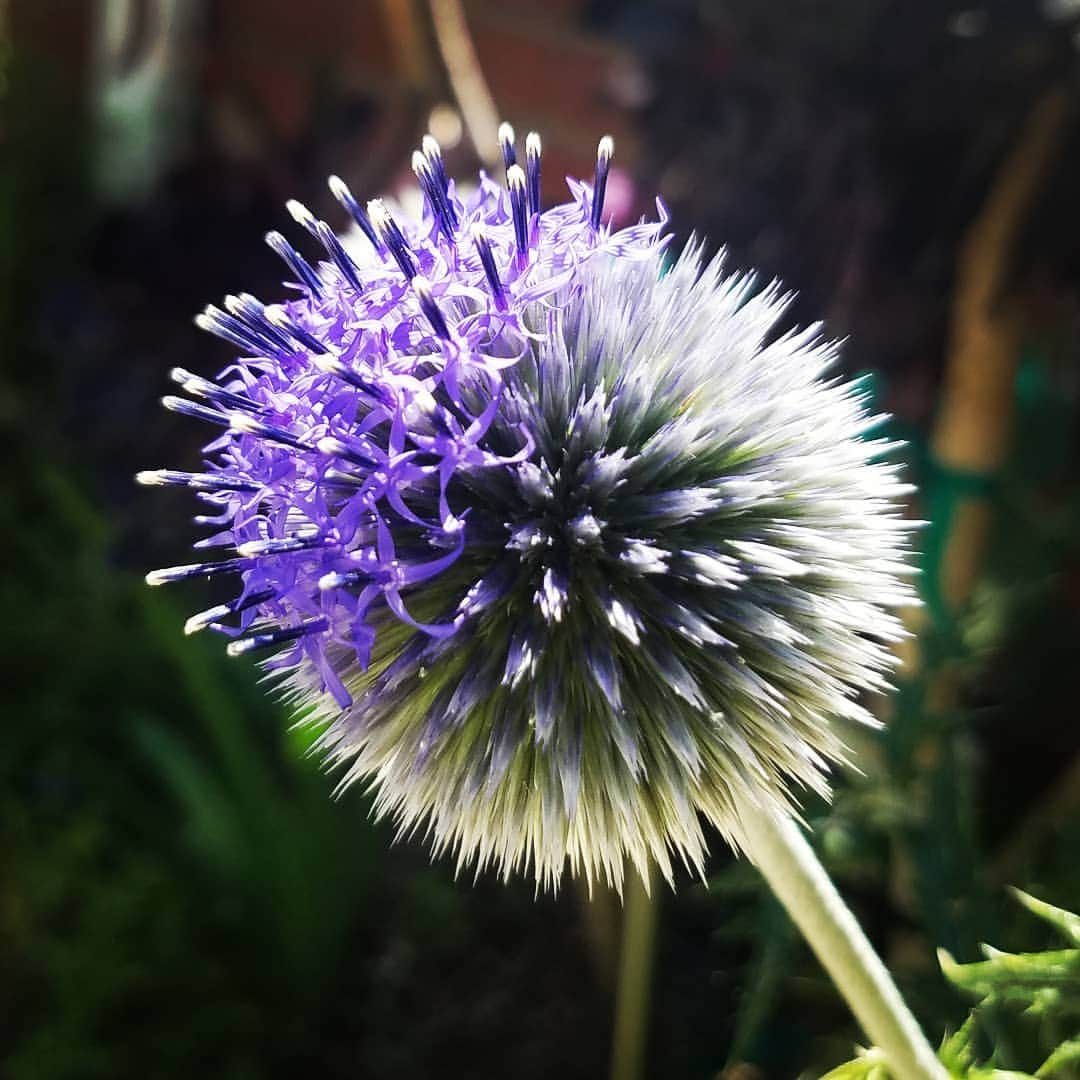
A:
x: 1027, y: 1004
x: 1059, y: 918
x: 1066, y: 1056
x: 212, y: 824
x: 869, y: 1065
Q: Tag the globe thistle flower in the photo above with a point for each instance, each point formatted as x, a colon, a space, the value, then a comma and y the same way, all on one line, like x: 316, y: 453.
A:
x: 567, y: 554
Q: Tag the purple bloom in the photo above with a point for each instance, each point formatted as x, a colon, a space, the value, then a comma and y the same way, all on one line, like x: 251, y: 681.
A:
x: 562, y: 552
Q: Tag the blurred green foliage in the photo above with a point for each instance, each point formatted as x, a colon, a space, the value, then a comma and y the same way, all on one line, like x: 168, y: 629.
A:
x: 103, y: 895
x: 1026, y: 1023
x: 1027, y: 1020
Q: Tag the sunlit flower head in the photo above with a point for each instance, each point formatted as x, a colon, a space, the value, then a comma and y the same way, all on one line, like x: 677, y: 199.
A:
x: 563, y: 547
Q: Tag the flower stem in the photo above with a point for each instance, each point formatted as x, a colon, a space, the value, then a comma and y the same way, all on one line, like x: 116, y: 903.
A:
x: 788, y: 863
x: 634, y: 980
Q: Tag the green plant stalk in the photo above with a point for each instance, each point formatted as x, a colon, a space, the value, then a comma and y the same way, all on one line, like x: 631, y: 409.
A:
x: 635, y: 978
x: 787, y: 862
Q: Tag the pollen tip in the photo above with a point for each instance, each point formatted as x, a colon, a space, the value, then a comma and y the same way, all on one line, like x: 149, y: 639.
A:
x: 278, y: 317
x: 338, y: 188
x: 515, y: 177
x: 506, y: 134
x: 300, y: 213
x: 244, y: 424
x: 532, y: 144
x: 151, y: 478
x: 332, y: 580
x: 605, y: 149
x: 203, y: 619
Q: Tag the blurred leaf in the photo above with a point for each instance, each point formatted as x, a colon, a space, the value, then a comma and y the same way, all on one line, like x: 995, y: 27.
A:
x: 1034, y: 980
x: 1028, y: 1003
x: 1064, y: 1061
x: 1064, y: 921
x: 211, y: 823
x: 775, y: 943
x: 869, y: 1065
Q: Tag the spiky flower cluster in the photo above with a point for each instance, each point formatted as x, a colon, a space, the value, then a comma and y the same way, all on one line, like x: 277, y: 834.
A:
x: 567, y: 553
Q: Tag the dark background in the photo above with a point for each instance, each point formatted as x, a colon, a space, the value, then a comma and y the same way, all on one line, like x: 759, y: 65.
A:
x: 178, y: 891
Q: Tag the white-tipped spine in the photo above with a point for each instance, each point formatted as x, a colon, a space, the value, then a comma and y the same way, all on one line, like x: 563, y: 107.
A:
x: 506, y: 142
x: 206, y: 618
x: 379, y: 217
x: 301, y: 214
x: 431, y: 148
x: 338, y: 188
x: 515, y: 178
x: 333, y: 580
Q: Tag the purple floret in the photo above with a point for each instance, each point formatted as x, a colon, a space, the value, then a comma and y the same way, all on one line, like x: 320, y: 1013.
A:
x: 354, y: 408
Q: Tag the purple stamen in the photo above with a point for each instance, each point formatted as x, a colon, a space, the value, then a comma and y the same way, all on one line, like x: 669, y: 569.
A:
x: 422, y: 288
x: 279, y: 318
x: 296, y: 262
x: 436, y: 197
x: 193, y: 409
x: 169, y: 574
x: 204, y: 388
x: 506, y: 145
x: 248, y: 425
x: 203, y: 619
x: 338, y: 254
x: 253, y: 314
x: 340, y: 190
x: 515, y: 182
x: 487, y: 261
x: 532, y: 171
x: 386, y: 228
x: 354, y: 452
x: 603, y: 164
x: 214, y: 321
x: 433, y: 152
x: 265, y: 639
x: 344, y: 580
x: 286, y: 545
x: 198, y: 481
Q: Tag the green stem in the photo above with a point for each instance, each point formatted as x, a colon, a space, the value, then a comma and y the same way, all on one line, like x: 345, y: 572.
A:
x: 635, y: 977
x: 789, y: 865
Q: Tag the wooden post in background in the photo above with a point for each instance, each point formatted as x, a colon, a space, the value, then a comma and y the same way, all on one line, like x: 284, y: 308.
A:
x: 974, y: 421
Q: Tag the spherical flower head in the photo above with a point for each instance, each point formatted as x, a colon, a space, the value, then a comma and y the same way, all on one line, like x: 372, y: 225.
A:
x: 564, y: 548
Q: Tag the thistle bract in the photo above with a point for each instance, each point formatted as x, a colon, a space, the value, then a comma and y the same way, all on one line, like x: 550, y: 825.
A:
x: 565, y: 553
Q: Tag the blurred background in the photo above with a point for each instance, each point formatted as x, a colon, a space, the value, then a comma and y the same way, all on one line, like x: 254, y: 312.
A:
x: 178, y: 891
